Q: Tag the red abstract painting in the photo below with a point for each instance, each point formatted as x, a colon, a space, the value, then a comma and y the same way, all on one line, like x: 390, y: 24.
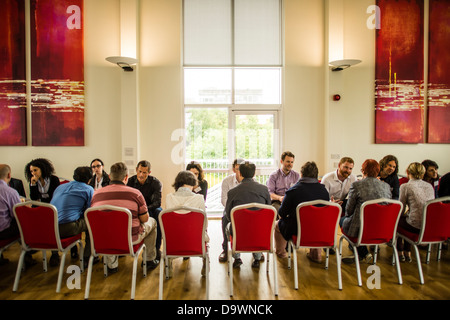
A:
x: 399, y: 75
x: 439, y: 73
x: 13, y: 112
x: 57, y: 73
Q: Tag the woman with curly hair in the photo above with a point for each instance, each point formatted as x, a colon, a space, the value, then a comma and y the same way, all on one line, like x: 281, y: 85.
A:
x: 40, y: 174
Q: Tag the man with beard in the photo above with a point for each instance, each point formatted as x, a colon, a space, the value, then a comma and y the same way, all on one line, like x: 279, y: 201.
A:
x: 282, y: 179
x: 338, y: 182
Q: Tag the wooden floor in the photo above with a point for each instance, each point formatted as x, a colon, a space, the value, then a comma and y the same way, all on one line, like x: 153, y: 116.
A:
x: 315, y: 283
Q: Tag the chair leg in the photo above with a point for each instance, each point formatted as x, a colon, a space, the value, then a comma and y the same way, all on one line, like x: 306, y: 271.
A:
x: 339, y: 271
x: 61, y: 270
x: 207, y: 274
x: 230, y: 272
x: 438, y: 257
x: 88, y: 277
x: 267, y: 258
x: 327, y: 255
x: 144, y: 261
x: 19, y: 270
x: 161, y: 276
x: 428, y: 254
x: 397, y: 262
x: 133, y: 278
x: 294, y: 253
x: 289, y: 253
x: 419, y: 265
x: 358, y: 269
x: 375, y: 256
x: 81, y: 257
x: 44, y: 260
x: 275, y: 274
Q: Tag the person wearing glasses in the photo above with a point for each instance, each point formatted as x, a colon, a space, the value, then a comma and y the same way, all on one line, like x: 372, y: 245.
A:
x: 99, y: 177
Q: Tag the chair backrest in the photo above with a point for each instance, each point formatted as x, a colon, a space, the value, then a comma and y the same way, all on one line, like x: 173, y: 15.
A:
x: 38, y: 225
x: 253, y: 227
x: 317, y: 223
x: 379, y: 219
x: 436, y: 221
x: 183, y: 231
x: 109, y: 230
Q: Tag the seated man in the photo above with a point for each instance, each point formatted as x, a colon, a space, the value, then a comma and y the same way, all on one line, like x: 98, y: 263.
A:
x: 150, y: 187
x: 228, y: 183
x: 338, y: 182
x: 247, y: 191
x: 282, y: 179
x: 9, y: 197
x: 388, y: 173
x: 71, y: 200
x: 306, y: 189
x: 120, y: 195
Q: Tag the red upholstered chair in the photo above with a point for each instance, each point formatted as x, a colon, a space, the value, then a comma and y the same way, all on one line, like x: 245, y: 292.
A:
x: 110, y: 234
x: 403, y: 180
x: 378, y: 225
x: 435, y: 229
x: 253, y: 227
x: 39, y: 230
x: 183, y: 231
x: 317, y: 223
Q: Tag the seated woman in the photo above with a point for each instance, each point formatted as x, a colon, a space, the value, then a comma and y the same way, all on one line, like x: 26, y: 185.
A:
x: 99, y: 177
x: 202, y: 185
x: 184, y: 184
x: 368, y: 188
x: 40, y: 174
x: 413, y: 195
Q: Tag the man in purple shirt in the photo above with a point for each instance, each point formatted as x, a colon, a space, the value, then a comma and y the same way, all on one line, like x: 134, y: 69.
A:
x: 8, y: 198
x: 282, y: 179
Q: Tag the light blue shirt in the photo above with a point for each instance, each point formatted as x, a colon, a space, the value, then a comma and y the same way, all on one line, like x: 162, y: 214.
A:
x: 71, y: 200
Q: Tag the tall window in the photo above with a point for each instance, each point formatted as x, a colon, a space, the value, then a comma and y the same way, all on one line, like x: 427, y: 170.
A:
x: 232, y: 86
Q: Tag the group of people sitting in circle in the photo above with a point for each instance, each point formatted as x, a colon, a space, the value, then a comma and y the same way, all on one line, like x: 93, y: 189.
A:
x: 285, y: 189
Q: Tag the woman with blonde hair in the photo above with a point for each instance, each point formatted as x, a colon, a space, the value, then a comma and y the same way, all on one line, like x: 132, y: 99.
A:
x: 413, y: 195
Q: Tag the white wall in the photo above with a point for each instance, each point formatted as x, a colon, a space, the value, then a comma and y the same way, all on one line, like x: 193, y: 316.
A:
x: 313, y: 126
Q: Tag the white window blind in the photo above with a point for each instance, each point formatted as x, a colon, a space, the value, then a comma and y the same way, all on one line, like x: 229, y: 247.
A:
x: 232, y: 32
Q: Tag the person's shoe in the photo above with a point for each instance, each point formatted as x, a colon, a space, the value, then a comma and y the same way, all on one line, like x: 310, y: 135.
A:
x: 112, y: 270
x: 262, y: 258
x: 331, y: 251
x: 408, y: 259
x: 54, y: 260
x: 402, y: 258
x: 152, y: 264
x: 368, y: 258
x: 237, y: 263
x: 29, y: 261
x: 223, y: 257
x: 348, y: 260
x: 255, y: 263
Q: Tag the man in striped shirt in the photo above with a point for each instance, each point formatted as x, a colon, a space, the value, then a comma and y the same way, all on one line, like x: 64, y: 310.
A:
x: 121, y: 195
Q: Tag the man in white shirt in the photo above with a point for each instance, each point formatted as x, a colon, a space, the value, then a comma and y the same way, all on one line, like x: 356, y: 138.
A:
x: 227, y: 184
x: 338, y: 182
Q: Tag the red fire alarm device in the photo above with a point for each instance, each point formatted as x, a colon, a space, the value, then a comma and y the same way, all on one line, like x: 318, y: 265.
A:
x: 336, y: 97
